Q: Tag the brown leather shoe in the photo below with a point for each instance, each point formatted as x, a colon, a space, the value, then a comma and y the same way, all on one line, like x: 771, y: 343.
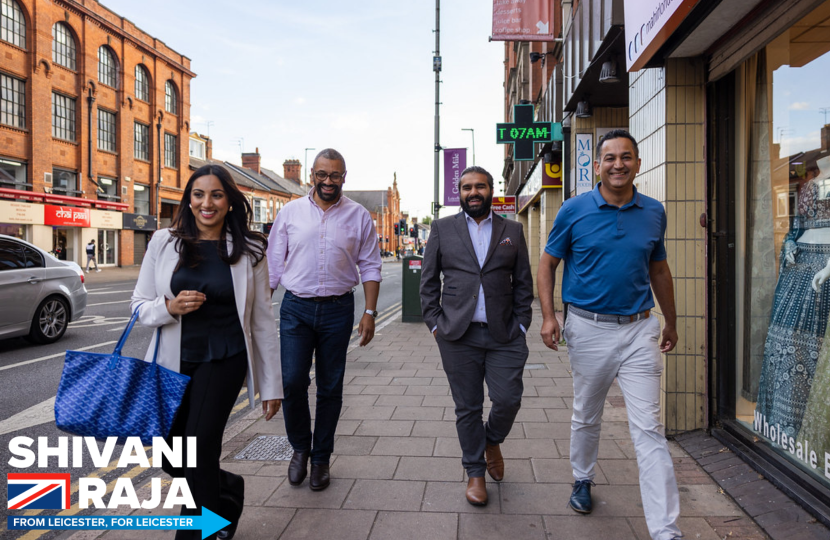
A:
x: 495, y: 463
x: 477, y: 491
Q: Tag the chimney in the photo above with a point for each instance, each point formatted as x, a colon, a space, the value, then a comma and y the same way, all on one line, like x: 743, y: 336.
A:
x: 208, y: 147
x: 825, y: 137
x: 292, y: 169
x: 251, y: 161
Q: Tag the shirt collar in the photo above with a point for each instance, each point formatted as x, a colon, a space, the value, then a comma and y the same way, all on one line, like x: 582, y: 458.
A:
x: 635, y: 201
x: 473, y: 221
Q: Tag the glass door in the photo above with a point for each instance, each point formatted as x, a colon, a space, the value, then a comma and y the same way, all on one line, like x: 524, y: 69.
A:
x: 107, y: 247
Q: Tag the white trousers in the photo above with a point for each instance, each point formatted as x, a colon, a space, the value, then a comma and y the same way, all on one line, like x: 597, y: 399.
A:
x: 599, y: 352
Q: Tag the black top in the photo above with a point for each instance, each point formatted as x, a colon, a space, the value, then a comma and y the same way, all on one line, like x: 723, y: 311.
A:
x: 212, y: 332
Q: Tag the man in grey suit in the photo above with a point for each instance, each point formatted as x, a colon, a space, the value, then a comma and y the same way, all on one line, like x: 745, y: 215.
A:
x: 479, y: 318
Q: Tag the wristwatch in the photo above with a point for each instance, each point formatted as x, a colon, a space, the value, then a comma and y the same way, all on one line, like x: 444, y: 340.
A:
x: 374, y: 314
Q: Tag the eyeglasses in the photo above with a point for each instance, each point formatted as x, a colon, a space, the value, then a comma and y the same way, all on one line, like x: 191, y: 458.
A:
x: 335, y: 176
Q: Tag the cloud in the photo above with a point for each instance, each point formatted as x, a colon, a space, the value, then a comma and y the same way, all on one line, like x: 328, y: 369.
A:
x: 800, y: 106
x: 357, y: 122
x: 299, y: 101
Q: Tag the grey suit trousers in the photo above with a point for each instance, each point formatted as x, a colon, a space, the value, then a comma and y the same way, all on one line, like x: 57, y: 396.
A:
x: 470, y: 361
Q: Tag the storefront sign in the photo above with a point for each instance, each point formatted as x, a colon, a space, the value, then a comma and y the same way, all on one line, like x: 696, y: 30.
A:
x: 537, y: 181
x: 504, y: 205
x: 139, y: 222
x: 552, y: 177
x: 648, y: 24
x: 522, y: 20
x: 101, y: 219
x: 455, y: 161
x: 20, y: 212
x: 584, y: 163
x: 524, y: 132
x: 66, y: 216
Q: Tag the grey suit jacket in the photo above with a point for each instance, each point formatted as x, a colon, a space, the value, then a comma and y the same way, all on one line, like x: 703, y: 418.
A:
x: 505, y: 276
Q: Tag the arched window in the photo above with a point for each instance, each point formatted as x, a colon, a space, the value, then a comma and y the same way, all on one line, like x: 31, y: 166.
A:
x: 63, y: 46
x: 171, y: 102
x: 12, y: 23
x: 142, y: 83
x: 107, y: 67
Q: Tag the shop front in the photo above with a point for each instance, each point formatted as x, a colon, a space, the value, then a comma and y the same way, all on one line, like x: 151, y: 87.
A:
x: 142, y: 227
x: 106, y: 225
x: 769, y: 200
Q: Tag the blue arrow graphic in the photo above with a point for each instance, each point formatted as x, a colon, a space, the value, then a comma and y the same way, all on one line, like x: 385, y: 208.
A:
x: 209, y: 523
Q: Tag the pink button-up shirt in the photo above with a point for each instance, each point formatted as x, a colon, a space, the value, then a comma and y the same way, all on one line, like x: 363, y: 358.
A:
x: 316, y: 253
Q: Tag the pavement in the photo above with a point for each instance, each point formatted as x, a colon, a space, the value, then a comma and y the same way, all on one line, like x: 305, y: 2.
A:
x: 397, y: 474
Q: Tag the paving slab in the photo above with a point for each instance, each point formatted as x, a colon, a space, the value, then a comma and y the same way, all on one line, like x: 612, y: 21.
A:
x: 386, y: 495
x: 315, y: 524
x: 414, y: 526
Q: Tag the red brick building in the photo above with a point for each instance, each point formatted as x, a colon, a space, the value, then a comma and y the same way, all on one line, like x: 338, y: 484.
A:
x: 94, y: 123
x: 385, y: 208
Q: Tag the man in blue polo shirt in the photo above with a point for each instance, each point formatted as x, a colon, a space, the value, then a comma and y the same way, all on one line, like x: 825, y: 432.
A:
x: 611, y: 240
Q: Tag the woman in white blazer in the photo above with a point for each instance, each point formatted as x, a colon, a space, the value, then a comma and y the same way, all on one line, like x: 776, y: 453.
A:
x: 204, y: 283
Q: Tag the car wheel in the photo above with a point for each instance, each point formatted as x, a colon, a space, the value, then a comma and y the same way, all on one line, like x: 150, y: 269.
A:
x: 50, y: 321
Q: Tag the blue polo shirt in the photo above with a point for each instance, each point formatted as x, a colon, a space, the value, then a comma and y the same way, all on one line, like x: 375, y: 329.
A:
x: 607, y: 251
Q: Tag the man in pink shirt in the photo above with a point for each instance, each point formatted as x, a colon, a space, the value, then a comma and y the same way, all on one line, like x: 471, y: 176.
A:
x: 316, y: 247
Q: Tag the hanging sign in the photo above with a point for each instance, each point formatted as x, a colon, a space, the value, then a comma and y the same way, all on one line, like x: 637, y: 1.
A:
x: 455, y: 161
x: 523, y: 133
x: 584, y: 163
x: 522, y: 20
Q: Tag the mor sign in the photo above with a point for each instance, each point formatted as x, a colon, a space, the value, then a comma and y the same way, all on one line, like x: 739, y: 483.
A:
x: 523, y: 133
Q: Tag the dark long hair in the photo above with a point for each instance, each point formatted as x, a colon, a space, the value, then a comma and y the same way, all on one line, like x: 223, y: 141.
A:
x: 237, y: 224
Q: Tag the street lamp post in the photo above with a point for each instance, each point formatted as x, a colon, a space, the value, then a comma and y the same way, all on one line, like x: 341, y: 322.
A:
x: 473, y: 132
x: 305, y: 164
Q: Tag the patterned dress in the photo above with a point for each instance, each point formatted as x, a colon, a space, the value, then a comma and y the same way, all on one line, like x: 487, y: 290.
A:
x: 798, y: 323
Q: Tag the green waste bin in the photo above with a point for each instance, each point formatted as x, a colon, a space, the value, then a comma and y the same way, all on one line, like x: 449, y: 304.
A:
x: 411, y: 289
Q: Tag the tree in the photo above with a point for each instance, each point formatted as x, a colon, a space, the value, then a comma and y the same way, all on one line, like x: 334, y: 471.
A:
x: 427, y: 220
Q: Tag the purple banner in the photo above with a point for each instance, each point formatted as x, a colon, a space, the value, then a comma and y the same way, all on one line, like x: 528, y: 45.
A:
x: 455, y: 161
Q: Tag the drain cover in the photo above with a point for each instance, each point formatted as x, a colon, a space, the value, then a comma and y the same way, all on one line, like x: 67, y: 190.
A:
x: 536, y: 366
x: 267, y: 448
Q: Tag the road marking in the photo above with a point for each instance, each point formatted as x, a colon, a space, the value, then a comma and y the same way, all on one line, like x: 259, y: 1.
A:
x: 58, y: 355
x: 35, y: 415
x: 89, y: 321
x: 108, y: 303
x: 382, y: 314
x: 110, y: 292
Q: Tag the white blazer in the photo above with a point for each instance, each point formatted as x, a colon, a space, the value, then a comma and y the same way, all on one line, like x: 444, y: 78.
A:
x: 255, y: 314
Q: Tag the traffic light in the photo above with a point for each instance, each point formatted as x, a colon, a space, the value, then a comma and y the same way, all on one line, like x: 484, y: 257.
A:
x: 413, y: 232
x: 403, y: 227
x: 397, y: 230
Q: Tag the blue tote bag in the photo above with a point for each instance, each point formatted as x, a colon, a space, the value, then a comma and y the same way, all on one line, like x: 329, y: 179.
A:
x: 109, y: 395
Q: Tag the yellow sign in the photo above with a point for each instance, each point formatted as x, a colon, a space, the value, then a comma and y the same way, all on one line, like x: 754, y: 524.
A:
x: 101, y: 219
x: 21, y: 212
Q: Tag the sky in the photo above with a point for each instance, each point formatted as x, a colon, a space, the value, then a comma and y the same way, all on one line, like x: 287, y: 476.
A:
x: 354, y: 76
x: 797, y: 104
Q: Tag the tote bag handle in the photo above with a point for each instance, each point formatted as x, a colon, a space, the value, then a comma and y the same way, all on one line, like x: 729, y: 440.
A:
x: 116, y: 355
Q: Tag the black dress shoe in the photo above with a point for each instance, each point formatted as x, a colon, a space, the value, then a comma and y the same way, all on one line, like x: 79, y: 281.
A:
x: 298, y: 468
x: 319, y: 479
x: 231, y: 502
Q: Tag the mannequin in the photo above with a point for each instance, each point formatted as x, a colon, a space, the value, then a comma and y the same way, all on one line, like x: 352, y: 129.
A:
x: 801, y: 308
x: 815, y: 428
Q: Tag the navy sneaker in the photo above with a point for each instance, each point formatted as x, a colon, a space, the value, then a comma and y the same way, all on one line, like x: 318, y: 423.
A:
x: 580, y: 500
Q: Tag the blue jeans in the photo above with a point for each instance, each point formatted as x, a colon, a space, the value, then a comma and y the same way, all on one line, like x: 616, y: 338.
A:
x: 321, y: 330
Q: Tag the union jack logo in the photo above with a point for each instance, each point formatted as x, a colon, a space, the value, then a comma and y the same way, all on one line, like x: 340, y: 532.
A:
x: 38, y: 491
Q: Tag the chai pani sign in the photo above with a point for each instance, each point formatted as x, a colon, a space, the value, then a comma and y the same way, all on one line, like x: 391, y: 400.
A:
x: 523, y: 133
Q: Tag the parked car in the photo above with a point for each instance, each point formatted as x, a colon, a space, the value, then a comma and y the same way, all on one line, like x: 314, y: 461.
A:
x: 39, y: 294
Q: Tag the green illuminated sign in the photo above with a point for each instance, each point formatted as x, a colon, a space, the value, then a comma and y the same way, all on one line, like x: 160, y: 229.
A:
x: 524, y: 132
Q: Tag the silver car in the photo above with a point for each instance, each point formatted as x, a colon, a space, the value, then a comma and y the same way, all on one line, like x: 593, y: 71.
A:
x: 39, y: 294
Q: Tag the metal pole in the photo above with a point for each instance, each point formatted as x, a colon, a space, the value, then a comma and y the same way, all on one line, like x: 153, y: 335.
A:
x: 473, y: 131
x: 305, y: 164
x: 436, y: 67
x: 158, y: 180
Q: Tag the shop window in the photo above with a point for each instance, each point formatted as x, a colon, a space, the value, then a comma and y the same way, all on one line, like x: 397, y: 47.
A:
x: 63, y: 46
x: 63, y: 117
x: 141, y: 141
x: 783, y: 297
x: 141, y: 199
x: 170, y: 147
x: 12, y: 101
x: 13, y: 175
x: 106, y: 131
x: 65, y: 182
x: 142, y: 83
x: 12, y: 23
x: 108, y: 189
